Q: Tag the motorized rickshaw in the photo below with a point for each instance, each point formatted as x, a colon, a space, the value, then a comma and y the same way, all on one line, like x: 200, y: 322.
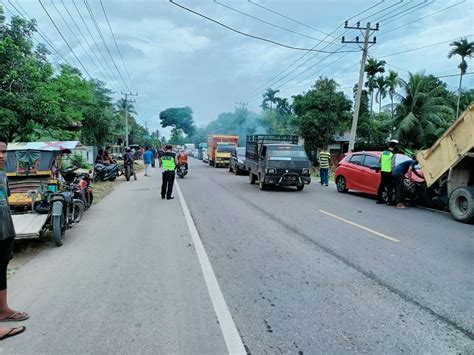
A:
x: 35, y: 181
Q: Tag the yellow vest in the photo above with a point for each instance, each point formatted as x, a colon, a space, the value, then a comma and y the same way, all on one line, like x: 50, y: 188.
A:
x: 386, y: 161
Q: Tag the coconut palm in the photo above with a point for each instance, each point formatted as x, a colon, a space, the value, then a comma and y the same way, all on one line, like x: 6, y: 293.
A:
x: 464, y: 49
x: 372, y: 68
x: 269, y: 97
x: 422, y: 114
x: 392, y: 81
x: 123, y: 105
x: 381, y: 86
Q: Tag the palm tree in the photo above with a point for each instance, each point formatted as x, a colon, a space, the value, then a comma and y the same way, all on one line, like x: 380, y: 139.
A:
x: 464, y: 49
x: 269, y: 97
x: 122, y: 105
x: 381, y: 86
x: 422, y: 113
x: 372, y: 68
x: 392, y: 81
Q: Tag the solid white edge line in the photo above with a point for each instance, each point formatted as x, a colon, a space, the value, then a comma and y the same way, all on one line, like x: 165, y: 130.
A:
x: 229, y: 330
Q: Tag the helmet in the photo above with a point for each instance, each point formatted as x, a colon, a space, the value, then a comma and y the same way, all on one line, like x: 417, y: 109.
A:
x: 394, y: 141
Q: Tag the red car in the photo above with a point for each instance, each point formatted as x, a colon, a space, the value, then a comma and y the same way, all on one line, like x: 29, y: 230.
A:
x: 360, y: 171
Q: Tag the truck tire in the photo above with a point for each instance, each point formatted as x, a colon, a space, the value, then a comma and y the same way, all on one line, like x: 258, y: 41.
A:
x: 461, y: 204
x: 252, y: 178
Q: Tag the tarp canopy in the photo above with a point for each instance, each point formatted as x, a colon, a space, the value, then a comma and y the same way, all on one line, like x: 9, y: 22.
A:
x: 46, y: 146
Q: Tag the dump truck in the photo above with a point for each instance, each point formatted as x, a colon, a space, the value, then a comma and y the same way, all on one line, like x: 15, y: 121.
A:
x: 219, y: 149
x: 448, y: 167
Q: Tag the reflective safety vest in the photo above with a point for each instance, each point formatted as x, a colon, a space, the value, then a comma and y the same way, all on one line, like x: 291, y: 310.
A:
x: 386, y: 161
x: 168, y: 161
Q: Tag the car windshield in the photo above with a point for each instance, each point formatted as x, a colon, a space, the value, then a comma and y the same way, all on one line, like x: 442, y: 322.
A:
x: 286, y: 153
x: 240, y: 152
x: 225, y: 148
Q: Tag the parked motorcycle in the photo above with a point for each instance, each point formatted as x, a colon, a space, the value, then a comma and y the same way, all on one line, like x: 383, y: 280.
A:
x: 106, y: 172
x: 81, y: 185
x: 66, y: 212
x: 182, y: 171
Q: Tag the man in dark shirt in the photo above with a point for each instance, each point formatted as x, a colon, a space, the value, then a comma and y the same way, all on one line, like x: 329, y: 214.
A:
x: 7, y: 235
x: 398, y: 174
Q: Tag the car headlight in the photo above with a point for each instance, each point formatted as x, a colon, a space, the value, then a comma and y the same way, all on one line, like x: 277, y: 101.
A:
x: 271, y: 171
x: 305, y: 171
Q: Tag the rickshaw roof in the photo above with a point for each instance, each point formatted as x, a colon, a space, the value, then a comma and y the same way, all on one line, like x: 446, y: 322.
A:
x: 45, y: 146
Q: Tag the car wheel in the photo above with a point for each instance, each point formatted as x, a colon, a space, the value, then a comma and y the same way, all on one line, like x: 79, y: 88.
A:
x: 341, y: 184
x: 461, y: 204
x: 393, y: 200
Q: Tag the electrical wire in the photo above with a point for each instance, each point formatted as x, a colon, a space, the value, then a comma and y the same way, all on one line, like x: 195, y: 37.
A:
x: 289, y: 18
x: 250, y: 35
x: 64, y: 39
x: 268, y: 23
x: 416, y: 8
x: 116, y: 45
x: 77, y: 39
x: 91, y: 13
x: 25, y: 16
x: 104, y: 59
x: 401, y: 12
x: 104, y: 68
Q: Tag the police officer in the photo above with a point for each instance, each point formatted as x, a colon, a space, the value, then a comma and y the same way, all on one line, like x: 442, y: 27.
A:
x: 387, y: 162
x: 168, y: 164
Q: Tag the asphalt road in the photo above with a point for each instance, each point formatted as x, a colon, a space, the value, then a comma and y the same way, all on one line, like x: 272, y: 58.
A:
x: 301, y: 272
x: 299, y: 280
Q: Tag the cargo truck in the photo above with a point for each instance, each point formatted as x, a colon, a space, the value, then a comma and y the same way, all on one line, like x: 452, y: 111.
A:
x: 448, y: 167
x: 219, y: 149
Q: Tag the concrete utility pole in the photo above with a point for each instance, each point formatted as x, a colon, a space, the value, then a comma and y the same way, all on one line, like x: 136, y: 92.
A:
x: 365, y: 49
x: 127, y: 94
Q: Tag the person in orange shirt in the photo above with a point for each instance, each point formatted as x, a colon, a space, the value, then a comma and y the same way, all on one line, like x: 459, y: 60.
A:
x: 183, y: 158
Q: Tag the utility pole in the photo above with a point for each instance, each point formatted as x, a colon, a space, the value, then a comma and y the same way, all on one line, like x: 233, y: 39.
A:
x: 365, y: 49
x: 127, y: 94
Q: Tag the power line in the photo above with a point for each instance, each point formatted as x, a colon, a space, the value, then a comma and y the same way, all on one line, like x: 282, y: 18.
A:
x: 110, y: 72
x: 111, y: 79
x: 423, y: 17
x: 268, y: 23
x: 116, y: 45
x: 91, y: 13
x: 77, y: 39
x: 289, y: 18
x: 412, y: 8
x: 409, y: 13
x: 40, y: 33
x: 60, y: 33
x: 252, y: 36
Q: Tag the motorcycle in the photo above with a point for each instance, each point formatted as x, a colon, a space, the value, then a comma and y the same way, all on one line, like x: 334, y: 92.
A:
x: 106, y: 172
x: 182, y: 171
x: 81, y: 184
x: 66, y: 212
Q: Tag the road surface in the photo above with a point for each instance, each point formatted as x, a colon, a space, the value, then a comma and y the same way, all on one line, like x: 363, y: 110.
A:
x: 300, y: 272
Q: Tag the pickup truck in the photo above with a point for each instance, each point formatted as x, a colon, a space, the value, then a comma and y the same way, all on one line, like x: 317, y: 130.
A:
x: 448, y: 167
x: 277, y: 160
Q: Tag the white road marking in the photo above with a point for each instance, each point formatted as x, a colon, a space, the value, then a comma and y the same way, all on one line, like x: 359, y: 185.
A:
x: 229, y: 330
x: 360, y: 226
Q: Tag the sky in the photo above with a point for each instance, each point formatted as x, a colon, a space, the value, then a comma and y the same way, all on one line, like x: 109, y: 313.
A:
x: 173, y: 58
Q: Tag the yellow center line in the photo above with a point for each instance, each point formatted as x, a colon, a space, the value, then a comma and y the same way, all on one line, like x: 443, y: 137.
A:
x: 361, y: 227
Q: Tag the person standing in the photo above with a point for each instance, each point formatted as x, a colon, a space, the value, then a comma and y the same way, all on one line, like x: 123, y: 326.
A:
x: 399, y: 172
x: 324, y: 160
x: 387, y: 161
x: 168, y: 164
x: 7, y: 237
x: 153, y: 161
x: 147, y: 160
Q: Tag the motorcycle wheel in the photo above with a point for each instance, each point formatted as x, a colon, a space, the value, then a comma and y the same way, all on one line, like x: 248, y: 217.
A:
x: 58, y: 232
x: 78, y: 211
x: 90, y: 199
x: 96, y: 177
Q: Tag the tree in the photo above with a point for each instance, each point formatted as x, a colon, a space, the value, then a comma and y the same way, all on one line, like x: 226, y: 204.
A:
x: 372, y: 68
x: 423, y: 113
x: 180, y: 118
x: 464, y: 49
x: 321, y: 113
x: 381, y: 86
x: 392, y: 81
x: 269, y: 97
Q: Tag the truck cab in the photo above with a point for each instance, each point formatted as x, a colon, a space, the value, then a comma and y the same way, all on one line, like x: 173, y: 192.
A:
x: 277, y: 160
